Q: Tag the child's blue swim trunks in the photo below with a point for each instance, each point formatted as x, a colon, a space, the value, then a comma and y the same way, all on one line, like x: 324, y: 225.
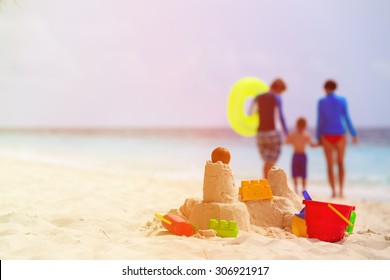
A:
x: 299, y: 165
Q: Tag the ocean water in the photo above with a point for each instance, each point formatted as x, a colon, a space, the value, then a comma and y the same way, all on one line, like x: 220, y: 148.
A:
x: 181, y: 154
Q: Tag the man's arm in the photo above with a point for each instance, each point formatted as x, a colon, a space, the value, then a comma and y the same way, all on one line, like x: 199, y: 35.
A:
x: 254, y: 108
x: 281, y: 116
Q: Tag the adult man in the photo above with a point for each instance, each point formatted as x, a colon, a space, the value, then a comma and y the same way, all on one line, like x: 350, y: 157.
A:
x: 269, y: 139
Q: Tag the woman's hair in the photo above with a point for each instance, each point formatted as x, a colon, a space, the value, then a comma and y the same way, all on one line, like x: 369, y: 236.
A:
x: 330, y: 85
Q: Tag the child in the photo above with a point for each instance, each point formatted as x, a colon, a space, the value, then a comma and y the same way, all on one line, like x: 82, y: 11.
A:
x: 299, y: 139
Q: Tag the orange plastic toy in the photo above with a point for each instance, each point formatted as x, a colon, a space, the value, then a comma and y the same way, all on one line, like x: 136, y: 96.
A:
x: 220, y: 154
x: 176, y: 224
x: 255, y: 190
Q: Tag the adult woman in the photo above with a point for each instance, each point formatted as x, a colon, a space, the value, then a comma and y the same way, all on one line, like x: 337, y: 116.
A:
x: 332, y: 115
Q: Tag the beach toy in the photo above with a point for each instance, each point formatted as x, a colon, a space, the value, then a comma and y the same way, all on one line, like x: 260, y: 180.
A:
x: 352, y: 219
x: 301, y: 214
x: 255, y: 190
x: 298, y: 223
x: 220, y: 154
x: 307, y: 197
x: 298, y: 226
x: 340, y: 215
x: 176, y: 224
x: 322, y: 223
x: 238, y: 118
x: 224, y: 228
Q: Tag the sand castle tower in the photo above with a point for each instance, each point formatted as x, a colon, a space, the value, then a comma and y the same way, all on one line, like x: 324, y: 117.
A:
x: 278, y: 211
x: 220, y: 195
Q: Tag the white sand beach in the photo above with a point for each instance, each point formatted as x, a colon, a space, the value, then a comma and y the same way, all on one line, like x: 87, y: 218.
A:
x: 53, y: 208
x: 110, y: 111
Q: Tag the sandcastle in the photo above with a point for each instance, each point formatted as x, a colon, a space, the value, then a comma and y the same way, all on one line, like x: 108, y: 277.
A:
x: 278, y: 211
x: 221, y: 199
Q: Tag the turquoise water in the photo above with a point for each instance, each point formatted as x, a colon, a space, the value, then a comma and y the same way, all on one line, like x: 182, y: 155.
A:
x: 183, y: 153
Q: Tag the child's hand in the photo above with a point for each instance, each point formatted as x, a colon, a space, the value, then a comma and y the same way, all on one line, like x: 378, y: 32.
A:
x: 316, y: 145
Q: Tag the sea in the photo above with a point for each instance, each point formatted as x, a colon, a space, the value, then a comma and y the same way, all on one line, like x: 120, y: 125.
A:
x: 181, y: 154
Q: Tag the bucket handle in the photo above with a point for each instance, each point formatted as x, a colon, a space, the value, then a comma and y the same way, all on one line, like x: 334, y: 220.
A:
x: 161, y: 217
x: 340, y: 215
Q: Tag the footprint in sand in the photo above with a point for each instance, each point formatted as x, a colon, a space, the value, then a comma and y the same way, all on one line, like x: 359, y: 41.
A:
x: 8, y: 232
x: 6, y: 218
x: 62, y: 222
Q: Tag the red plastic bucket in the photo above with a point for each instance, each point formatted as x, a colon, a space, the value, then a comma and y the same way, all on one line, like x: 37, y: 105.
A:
x: 323, y: 223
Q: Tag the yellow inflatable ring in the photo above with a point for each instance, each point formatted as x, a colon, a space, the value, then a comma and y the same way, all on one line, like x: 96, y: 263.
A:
x: 238, y: 118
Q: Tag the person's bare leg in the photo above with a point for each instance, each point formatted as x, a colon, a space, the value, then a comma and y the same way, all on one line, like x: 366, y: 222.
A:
x: 303, y: 184
x: 267, y: 166
x: 340, y: 148
x: 295, y: 180
x: 328, y: 150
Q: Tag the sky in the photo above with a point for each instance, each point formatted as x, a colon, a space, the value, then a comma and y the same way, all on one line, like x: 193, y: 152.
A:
x: 153, y: 63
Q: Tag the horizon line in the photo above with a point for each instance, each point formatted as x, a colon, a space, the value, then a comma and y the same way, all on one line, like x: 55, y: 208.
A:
x: 141, y: 128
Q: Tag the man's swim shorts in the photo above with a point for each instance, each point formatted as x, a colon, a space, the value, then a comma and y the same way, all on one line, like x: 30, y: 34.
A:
x: 269, y: 144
